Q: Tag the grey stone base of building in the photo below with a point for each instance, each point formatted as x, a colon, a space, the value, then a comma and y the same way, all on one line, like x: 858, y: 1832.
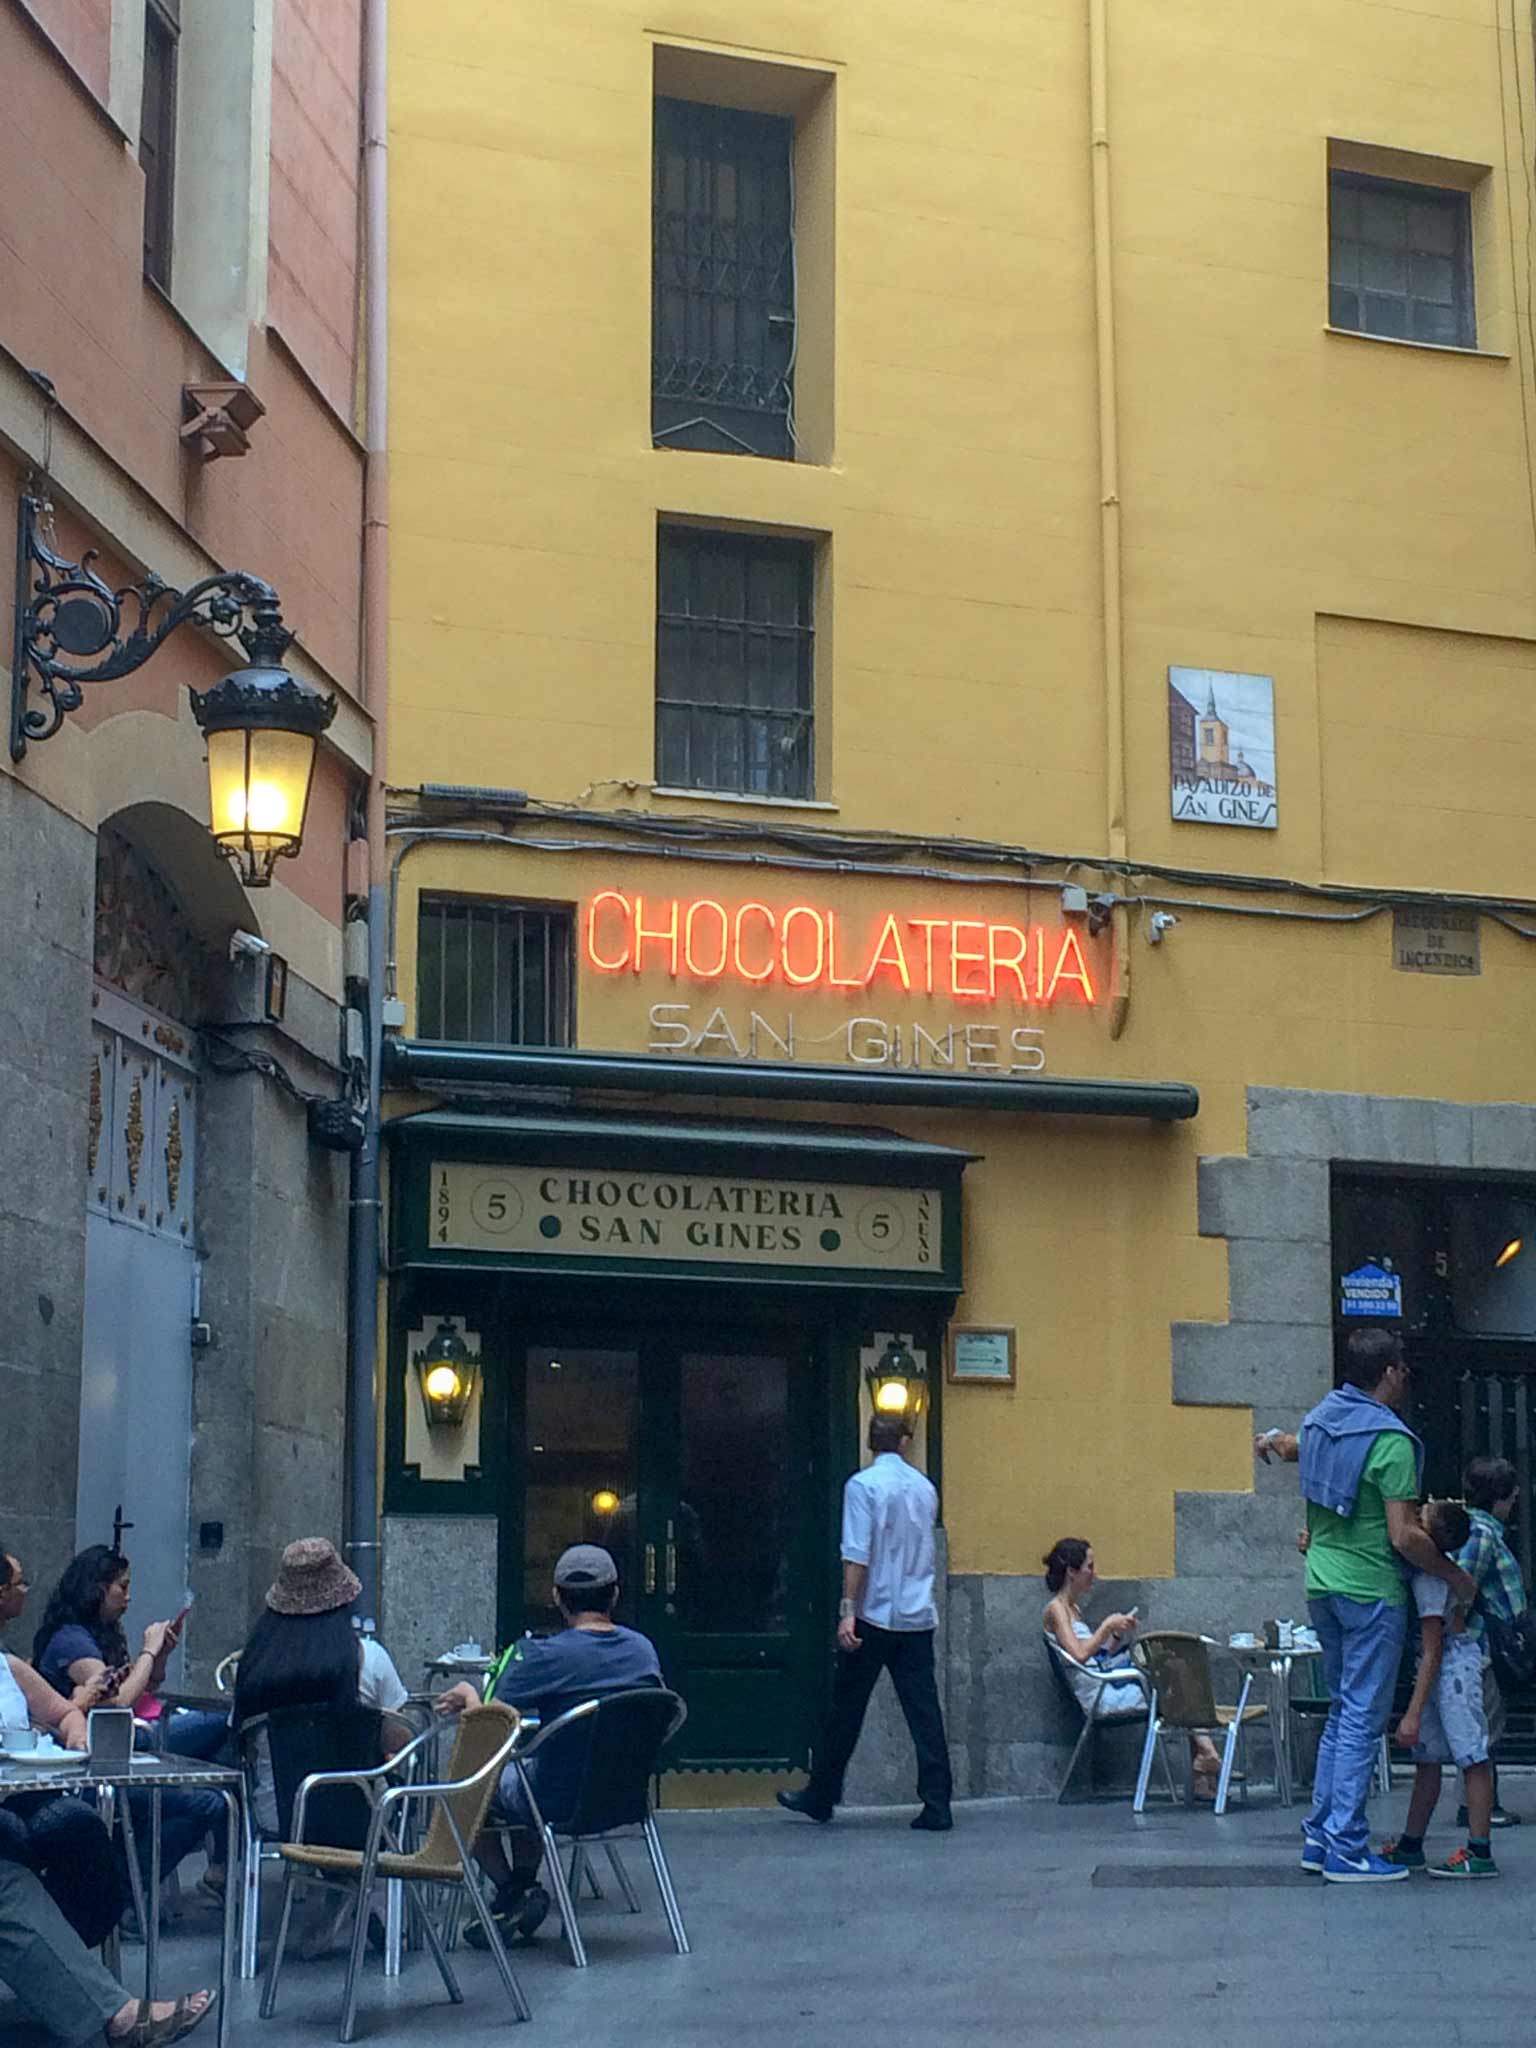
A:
x: 439, y: 1587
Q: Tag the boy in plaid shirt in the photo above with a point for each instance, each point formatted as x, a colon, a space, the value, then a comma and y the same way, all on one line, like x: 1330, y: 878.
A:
x: 1490, y: 1488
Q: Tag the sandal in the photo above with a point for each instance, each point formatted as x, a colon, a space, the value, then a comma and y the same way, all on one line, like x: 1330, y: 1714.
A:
x: 148, y: 2032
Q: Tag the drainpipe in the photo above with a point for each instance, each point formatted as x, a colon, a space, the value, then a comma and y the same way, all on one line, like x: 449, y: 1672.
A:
x: 365, y: 1235
x: 1110, y: 565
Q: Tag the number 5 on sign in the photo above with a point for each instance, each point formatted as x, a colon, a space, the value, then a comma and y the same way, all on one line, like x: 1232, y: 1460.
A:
x: 880, y: 1226
x: 496, y: 1206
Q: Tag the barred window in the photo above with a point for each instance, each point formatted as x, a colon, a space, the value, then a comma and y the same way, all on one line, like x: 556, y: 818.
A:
x: 722, y: 292
x: 494, y: 973
x: 1400, y: 260
x: 734, y: 666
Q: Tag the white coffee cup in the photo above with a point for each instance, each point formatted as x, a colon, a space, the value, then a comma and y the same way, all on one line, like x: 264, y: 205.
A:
x: 20, y: 1738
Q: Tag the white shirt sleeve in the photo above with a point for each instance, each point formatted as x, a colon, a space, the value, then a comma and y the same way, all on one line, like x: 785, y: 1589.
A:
x: 858, y: 1523
x: 378, y: 1683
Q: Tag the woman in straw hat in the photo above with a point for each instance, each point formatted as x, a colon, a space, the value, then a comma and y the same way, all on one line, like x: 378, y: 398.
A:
x: 305, y: 1652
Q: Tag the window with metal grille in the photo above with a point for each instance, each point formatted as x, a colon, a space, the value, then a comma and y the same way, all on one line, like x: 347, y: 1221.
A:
x: 1400, y: 260
x: 157, y: 136
x: 494, y: 973
x: 722, y: 288
x: 734, y: 663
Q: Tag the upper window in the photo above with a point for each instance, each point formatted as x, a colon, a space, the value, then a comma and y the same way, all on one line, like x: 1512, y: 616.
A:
x: 157, y: 135
x: 734, y: 667
x: 723, y: 280
x: 1400, y: 260
x: 494, y: 973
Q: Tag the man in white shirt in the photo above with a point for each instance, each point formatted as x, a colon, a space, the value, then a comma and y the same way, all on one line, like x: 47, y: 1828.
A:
x: 886, y: 1621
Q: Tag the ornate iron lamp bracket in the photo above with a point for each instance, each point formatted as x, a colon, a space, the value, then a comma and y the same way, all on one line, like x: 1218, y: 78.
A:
x: 73, y: 628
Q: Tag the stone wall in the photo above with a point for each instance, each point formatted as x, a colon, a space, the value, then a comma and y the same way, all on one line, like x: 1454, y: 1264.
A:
x: 47, y: 885
x: 439, y: 1584
x: 269, y: 1393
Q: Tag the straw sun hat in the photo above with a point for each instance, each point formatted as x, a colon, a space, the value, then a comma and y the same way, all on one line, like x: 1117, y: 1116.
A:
x: 312, y: 1580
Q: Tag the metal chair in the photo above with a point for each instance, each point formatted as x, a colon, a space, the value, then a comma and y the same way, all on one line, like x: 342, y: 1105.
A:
x: 486, y: 1739
x: 298, y: 1743
x: 1178, y: 1667
x: 626, y: 1733
x: 1094, y: 1713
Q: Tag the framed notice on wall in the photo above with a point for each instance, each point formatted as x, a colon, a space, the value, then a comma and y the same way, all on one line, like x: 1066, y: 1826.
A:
x: 983, y: 1356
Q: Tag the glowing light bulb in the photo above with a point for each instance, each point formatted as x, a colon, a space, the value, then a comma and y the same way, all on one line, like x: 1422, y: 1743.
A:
x: 1512, y: 1250
x: 442, y: 1383
x: 891, y: 1397
x: 605, y: 1502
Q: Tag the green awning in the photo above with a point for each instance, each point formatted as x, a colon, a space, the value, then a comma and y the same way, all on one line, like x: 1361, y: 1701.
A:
x: 428, y: 1064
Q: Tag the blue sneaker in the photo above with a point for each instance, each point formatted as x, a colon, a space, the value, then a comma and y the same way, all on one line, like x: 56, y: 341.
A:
x: 1362, y: 1869
x: 1314, y: 1852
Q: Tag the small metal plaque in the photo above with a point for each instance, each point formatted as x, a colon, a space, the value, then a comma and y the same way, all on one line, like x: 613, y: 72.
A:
x: 1435, y: 941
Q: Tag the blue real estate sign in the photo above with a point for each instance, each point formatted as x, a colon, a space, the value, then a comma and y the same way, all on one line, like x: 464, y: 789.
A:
x: 1371, y: 1291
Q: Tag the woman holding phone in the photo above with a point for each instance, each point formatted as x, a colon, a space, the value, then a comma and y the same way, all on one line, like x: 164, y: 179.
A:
x: 58, y: 1836
x: 1070, y: 1574
x: 81, y: 1646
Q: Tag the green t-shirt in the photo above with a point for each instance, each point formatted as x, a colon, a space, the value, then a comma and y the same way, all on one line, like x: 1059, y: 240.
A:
x: 1353, y: 1554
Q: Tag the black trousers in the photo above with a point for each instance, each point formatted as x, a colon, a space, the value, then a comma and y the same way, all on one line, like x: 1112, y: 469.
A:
x: 908, y: 1656
x: 68, y: 1846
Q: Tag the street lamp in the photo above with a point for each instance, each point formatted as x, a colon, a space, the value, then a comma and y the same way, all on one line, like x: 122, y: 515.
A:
x: 449, y: 1373
x: 898, y: 1383
x: 261, y: 723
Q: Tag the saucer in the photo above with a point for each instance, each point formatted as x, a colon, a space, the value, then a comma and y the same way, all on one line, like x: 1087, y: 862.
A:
x: 47, y: 1756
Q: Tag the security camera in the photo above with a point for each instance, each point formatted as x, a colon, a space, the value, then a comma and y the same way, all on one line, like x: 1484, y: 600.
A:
x: 246, y: 946
x: 1159, y: 924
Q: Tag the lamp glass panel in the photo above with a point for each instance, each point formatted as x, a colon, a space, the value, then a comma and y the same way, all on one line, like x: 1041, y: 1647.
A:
x: 278, y: 786
x: 226, y: 784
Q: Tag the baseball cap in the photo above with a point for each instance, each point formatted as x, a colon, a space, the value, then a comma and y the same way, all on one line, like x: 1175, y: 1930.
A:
x: 585, y: 1564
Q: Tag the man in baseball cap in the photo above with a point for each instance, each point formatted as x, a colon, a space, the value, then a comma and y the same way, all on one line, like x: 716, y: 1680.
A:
x: 546, y: 1675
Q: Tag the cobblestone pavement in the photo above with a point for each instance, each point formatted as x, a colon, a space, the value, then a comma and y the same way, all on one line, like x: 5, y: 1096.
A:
x: 1062, y: 1926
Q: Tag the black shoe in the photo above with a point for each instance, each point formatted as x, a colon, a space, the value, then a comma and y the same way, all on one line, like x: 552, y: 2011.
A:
x: 1499, y: 1818
x: 516, y: 1916
x: 800, y: 1802
x: 934, y: 1820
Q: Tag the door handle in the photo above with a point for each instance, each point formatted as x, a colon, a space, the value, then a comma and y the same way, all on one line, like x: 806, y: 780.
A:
x: 671, y: 1568
x: 650, y: 1567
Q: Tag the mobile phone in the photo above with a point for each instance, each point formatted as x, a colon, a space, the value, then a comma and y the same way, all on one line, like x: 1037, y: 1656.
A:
x: 1131, y: 1613
x: 176, y: 1625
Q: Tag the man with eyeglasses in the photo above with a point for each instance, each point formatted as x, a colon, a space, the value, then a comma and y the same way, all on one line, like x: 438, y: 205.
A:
x: 1361, y: 1475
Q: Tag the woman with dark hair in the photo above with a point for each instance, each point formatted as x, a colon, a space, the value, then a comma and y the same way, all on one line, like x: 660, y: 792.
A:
x: 81, y: 1650
x: 53, y: 1834
x: 80, y: 1639
x: 305, y: 1652
x: 1069, y: 1576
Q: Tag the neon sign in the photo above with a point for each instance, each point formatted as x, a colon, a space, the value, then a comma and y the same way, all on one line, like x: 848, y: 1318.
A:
x: 809, y: 947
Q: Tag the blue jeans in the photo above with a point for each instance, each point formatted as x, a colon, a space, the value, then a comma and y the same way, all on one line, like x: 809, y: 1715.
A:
x: 191, y: 1731
x: 1362, y: 1647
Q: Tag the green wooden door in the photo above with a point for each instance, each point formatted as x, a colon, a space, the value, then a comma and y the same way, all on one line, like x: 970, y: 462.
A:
x: 695, y: 1457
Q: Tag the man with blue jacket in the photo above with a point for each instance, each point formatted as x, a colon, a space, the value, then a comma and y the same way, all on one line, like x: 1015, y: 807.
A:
x: 1361, y: 1475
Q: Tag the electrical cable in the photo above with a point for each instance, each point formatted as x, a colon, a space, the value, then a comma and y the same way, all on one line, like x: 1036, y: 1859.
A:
x: 865, y: 853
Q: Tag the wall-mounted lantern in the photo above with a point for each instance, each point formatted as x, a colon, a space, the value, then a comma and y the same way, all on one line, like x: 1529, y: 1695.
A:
x: 261, y: 723
x: 448, y: 1373
x: 898, y: 1383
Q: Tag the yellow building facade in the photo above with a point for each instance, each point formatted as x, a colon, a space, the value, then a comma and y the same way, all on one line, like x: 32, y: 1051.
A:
x: 828, y: 448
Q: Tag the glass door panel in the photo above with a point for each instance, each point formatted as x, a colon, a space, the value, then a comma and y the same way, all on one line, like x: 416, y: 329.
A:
x: 730, y: 1550
x: 581, y: 1459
